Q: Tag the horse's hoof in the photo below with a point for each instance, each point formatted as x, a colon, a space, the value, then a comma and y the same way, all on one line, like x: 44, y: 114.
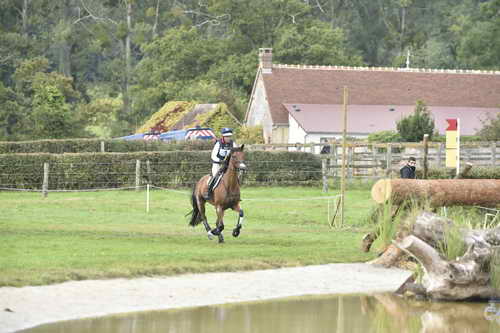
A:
x: 236, y: 232
x: 210, y: 235
x: 215, y: 232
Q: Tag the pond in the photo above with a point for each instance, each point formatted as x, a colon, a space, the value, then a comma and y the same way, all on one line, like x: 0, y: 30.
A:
x: 348, y: 313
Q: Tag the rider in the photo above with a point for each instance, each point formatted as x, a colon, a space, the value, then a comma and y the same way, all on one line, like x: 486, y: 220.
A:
x: 220, y: 151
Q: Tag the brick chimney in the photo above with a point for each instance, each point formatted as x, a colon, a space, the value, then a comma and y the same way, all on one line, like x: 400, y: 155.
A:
x: 266, y: 60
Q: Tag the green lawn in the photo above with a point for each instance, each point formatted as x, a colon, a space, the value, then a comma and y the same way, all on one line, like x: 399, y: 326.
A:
x: 72, y: 236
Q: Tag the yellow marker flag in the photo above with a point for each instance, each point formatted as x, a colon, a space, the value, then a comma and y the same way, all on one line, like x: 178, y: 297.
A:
x: 452, y: 144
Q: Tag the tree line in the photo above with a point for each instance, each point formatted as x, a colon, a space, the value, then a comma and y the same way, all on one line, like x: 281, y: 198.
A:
x: 100, y: 68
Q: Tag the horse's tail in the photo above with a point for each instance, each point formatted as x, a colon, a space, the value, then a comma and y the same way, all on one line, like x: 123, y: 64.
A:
x: 195, y: 213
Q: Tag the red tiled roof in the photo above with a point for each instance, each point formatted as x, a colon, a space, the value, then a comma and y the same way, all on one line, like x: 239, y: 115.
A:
x: 373, y: 86
x: 314, y: 118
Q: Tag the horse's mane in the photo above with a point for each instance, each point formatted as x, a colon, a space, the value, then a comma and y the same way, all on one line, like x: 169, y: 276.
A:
x: 233, y: 150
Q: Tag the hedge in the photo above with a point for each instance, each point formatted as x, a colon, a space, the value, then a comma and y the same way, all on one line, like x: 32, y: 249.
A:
x: 169, y: 169
x: 475, y: 173
x: 94, y: 146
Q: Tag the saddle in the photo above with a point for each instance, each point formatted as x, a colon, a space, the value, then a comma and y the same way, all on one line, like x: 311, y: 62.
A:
x: 216, y: 180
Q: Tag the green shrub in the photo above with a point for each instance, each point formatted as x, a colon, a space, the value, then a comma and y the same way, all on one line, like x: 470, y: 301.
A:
x: 384, y: 136
x: 475, y: 173
x: 453, y: 245
x: 413, y: 127
x: 175, y: 168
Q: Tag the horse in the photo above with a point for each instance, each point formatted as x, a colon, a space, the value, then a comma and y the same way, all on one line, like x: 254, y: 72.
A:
x: 225, y: 195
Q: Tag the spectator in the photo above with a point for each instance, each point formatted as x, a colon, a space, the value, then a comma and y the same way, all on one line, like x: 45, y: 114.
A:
x: 408, y: 171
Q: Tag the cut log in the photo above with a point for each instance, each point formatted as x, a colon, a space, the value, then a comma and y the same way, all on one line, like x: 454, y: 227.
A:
x: 439, y: 192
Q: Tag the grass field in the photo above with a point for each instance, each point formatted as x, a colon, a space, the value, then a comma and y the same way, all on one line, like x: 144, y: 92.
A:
x: 73, y: 236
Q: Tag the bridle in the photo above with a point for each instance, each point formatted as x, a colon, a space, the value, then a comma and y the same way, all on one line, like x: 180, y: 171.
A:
x: 238, y: 162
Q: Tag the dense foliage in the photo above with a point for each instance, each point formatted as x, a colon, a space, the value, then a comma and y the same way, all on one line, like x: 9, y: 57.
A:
x: 413, y: 127
x: 384, y: 136
x: 72, y: 68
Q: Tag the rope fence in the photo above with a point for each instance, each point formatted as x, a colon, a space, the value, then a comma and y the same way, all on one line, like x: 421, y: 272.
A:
x: 331, y: 200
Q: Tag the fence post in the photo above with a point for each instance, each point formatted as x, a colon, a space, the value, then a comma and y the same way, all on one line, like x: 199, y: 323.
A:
x: 147, y: 198
x: 440, y: 155
x: 389, y: 157
x: 493, y: 153
x: 148, y: 168
x: 375, y: 161
x: 137, y: 175
x: 45, y: 185
x: 333, y: 160
x: 103, y: 150
x: 426, y: 153
x: 324, y: 170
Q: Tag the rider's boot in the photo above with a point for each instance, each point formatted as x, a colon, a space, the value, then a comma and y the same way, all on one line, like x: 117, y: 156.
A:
x: 208, y: 194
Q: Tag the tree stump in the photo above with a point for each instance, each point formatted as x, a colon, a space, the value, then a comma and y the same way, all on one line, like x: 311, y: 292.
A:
x: 463, y: 278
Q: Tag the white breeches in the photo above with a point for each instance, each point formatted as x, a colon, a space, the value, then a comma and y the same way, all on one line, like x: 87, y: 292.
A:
x: 215, y: 169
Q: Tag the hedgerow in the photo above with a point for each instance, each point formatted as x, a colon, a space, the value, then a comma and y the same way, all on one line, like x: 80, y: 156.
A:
x: 94, y: 146
x: 175, y: 168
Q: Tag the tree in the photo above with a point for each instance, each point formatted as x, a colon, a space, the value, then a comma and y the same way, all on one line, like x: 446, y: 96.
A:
x: 480, y: 45
x: 413, y: 127
x: 315, y: 44
x: 172, y: 64
x: 491, y: 128
x: 10, y: 114
x: 51, y: 117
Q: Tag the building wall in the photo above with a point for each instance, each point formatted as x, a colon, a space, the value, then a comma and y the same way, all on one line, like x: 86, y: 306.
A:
x: 279, y: 134
x: 295, y: 133
x: 259, y: 113
x: 298, y: 135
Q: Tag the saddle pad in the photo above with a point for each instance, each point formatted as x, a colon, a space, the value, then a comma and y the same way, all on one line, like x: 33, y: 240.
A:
x: 218, y: 177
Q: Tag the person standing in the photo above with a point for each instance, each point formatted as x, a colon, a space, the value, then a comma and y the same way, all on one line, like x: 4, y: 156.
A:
x: 220, y: 152
x: 408, y: 171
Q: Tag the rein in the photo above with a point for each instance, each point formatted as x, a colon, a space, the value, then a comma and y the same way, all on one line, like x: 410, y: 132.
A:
x: 237, y: 170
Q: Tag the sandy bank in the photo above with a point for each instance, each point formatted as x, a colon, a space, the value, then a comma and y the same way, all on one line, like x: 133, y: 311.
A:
x: 32, y: 306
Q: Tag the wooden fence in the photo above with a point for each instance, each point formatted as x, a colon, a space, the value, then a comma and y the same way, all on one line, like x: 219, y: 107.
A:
x: 367, y: 160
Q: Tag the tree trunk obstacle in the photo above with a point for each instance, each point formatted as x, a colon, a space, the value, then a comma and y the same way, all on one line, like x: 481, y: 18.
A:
x: 469, y: 276
x: 439, y: 192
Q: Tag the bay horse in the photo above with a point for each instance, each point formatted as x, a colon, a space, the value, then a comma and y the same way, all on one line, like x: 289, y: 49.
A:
x: 225, y: 195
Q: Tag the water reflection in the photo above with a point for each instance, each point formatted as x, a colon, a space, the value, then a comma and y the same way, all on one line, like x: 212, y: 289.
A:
x: 332, y: 314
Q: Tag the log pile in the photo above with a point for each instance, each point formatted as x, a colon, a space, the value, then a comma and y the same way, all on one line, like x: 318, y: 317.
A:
x: 465, y: 277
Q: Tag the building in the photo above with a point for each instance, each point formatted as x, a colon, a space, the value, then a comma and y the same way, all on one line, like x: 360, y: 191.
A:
x: 303, y: 104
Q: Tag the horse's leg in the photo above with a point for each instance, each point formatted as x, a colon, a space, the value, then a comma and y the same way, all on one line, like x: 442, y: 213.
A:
x: 201, y: 207
x: 236, y: 230
x: 220, y: 224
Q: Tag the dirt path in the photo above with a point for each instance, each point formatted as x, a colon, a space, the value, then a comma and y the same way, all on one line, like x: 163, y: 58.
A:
x: 32, y: 306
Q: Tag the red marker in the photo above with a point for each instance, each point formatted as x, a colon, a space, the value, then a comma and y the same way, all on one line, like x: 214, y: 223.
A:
x: 452, y: 124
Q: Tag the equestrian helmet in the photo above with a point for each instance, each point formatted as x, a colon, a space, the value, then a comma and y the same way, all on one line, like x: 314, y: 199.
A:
x: 227, y: 131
